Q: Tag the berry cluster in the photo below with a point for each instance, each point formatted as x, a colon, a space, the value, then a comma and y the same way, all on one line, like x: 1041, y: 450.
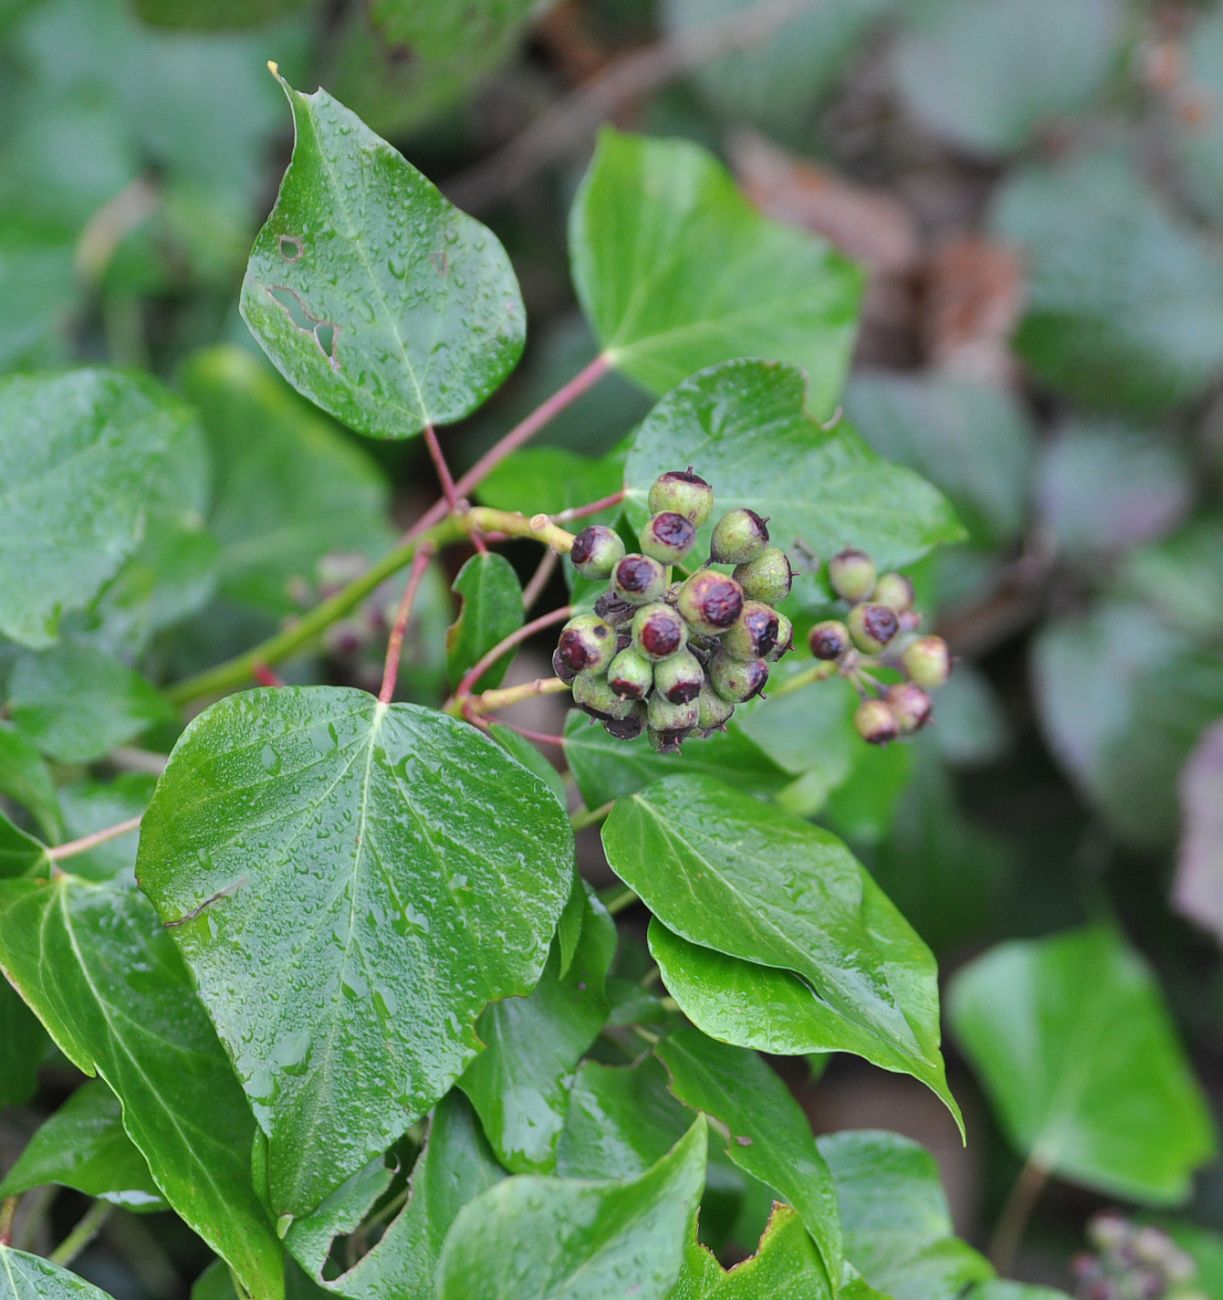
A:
x: 880, y: 630
x: 676, y: 657
x: 1133, y: 1262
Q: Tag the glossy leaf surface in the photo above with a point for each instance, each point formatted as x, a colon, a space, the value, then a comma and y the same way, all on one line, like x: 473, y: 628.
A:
x: 491, y: 609
x: 30, y: 1277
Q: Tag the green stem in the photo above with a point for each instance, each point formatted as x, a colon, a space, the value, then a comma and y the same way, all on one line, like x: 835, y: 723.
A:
x: 818, y: 672
x: 80, y: 1236
x: 619, y: 899
x: 1013, y: 1220
x: 583, y: 817
x: 8, y: 1208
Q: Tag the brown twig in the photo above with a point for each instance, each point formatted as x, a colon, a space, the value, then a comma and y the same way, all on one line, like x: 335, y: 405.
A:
x: 540, y: 579
x: 87, y: 842
x: 394, y: 645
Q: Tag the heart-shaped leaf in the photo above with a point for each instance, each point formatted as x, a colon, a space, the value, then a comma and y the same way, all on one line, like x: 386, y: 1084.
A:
x: 351, y: 884
x: 743, y: 427
x: 30, y: 1277
x: 374, y: 296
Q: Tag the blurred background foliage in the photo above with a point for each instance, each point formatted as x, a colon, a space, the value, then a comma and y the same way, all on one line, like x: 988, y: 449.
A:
x: 1035, y: 188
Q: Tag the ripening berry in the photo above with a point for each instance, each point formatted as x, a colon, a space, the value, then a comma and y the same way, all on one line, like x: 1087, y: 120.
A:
x: 875, y: 722
x: 768, y: 577
x: 631, y: 674
x: 895, y: 591
x: 596, y: 551
x: 683, y: 492
x: 611, y: 608
x: 593, y: 694
x: 785, y: 639
x: 927, y: 661
x: 754, y: 633
x: 662, y: 715
x: 630, y: 726
x: 829, y: 639
x: 852, y: 574
x: 715, y: 712
x: 738, y: 537
x: 710, y: 602
x: 561, y: 668
x: 587, y: 644
x: 639, y: 579
x: 679, y: 678
x: 658, y: 631
x: 737, y: 680
x: 668, y: 537
x: 910, y: 705
x: 872, y: 627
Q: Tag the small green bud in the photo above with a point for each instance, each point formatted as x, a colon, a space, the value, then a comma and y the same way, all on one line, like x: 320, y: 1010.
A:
x: 658, y: 631
x: 663, y: 715
x: 679, y: 678
x: 593, y: 694
x: 754, y: 633
x: 768, y: 577
x: 668, y: 537
x: 927, y: 661
x: 715, y: 712
x: 852, y: 574
x: 872, y: 627
x: 875, y: 722
x: 631, y: 675
x: 738, y: 537
x: 630, y: 726
x: 587, y: 644
x: 596, y: 551
x: 710, y: 602
x: 683, y: 492
x: 910, y: 706
x: 639, y: 580
x: 829, y: 639
x: 785, y: 638
x: 737, y: 680
x: 895, y: 591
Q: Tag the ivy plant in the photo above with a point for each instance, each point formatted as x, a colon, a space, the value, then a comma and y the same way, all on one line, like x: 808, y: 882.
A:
x: 345, y: 1004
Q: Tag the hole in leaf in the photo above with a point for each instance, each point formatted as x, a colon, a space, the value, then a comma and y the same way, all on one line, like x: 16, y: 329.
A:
x: 291, y: 248
x: 325, y: 333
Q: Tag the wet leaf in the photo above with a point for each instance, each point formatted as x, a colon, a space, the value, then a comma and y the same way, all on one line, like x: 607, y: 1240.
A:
x: 26, y: 779
x: 30, y: 1277
x: 491, y: 609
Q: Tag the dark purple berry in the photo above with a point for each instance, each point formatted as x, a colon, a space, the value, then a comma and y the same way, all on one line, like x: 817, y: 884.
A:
x: 872, y: 626
x: 668, y: 537
x: 596, y: 551
x: 754, y: 634
x: 594, y: 695
x: 587, y: 644
x: 679, y: 678
x: 738, y: 537
x: 710, y: 602
x: 561, y: 668
x: 683, y: 492
x: 785, y: 639
x: 629, y: 727
x: 610, y: 607
x: 829, y: 640
x: 638, y: 579
x: 631, y: 675
x: 910, y: 706
x: 737, y: 680
x: 658, y: 631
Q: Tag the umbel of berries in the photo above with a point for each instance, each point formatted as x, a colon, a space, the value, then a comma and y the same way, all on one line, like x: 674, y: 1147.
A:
x: 880, y: 632
x: 674, y: 645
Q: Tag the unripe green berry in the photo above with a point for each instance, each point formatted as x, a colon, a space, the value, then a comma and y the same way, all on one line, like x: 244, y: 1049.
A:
x: 895, y: 591
x: 638, y: 579
x: 910, y: 705
x: 683, y: 492
x: 738, y: 537
x: 829, y: 640
x: 593, y: 694
x: 715, y: 712
x: 737, y: 680
x: 754, y: 633
x: 785, y: 638
x: 927, y: 661
x: 587, y: 644
x: 630, y: 726
x: 658, y: 631
x: 596, y: 551
x: 872, y: 626
x: 710, y: 602
x: 679, y: 678
x: 768, y: 577
x: 663, y: 715
x: 631, y: 674
x: 668, y: 537
x: 852, y: 574
x: 875, y: 722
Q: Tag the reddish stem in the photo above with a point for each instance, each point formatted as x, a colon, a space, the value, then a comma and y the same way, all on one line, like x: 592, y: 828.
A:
x: 521, y: 433
x: 265, y: 676
x: 449, y: 492
x: 539, y: 737
x: 394, y: 645
x: 87, y: 842
x: 540, y: 578
x: 482, y: 665
x: 581, y: 512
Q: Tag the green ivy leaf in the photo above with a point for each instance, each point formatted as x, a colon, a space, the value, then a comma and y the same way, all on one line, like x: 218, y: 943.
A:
x: 491, y: 609
x: 895, y: 1217
x: 520, y: 747
x: 83, y: 1145
x: 751, y: 882
x: 76, y: 703
x: 26, y: 779
x: 39, y: 288
x: 79, y: 455
x: 213, y: 15
x: 376, y: 298
x: 289, y: 487
x: 20, y: 853
x: 1077, y: 1051
x: 105, y: 979
x: 519, y: 1084
x: 573, y: 1240
x: 743, y: 426
x: 552, y: 479
x: 769, y: 1137
x: 23, y: 1045
x: 648, y: 239
x: 30, y: 1277
x: 372, y: 861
